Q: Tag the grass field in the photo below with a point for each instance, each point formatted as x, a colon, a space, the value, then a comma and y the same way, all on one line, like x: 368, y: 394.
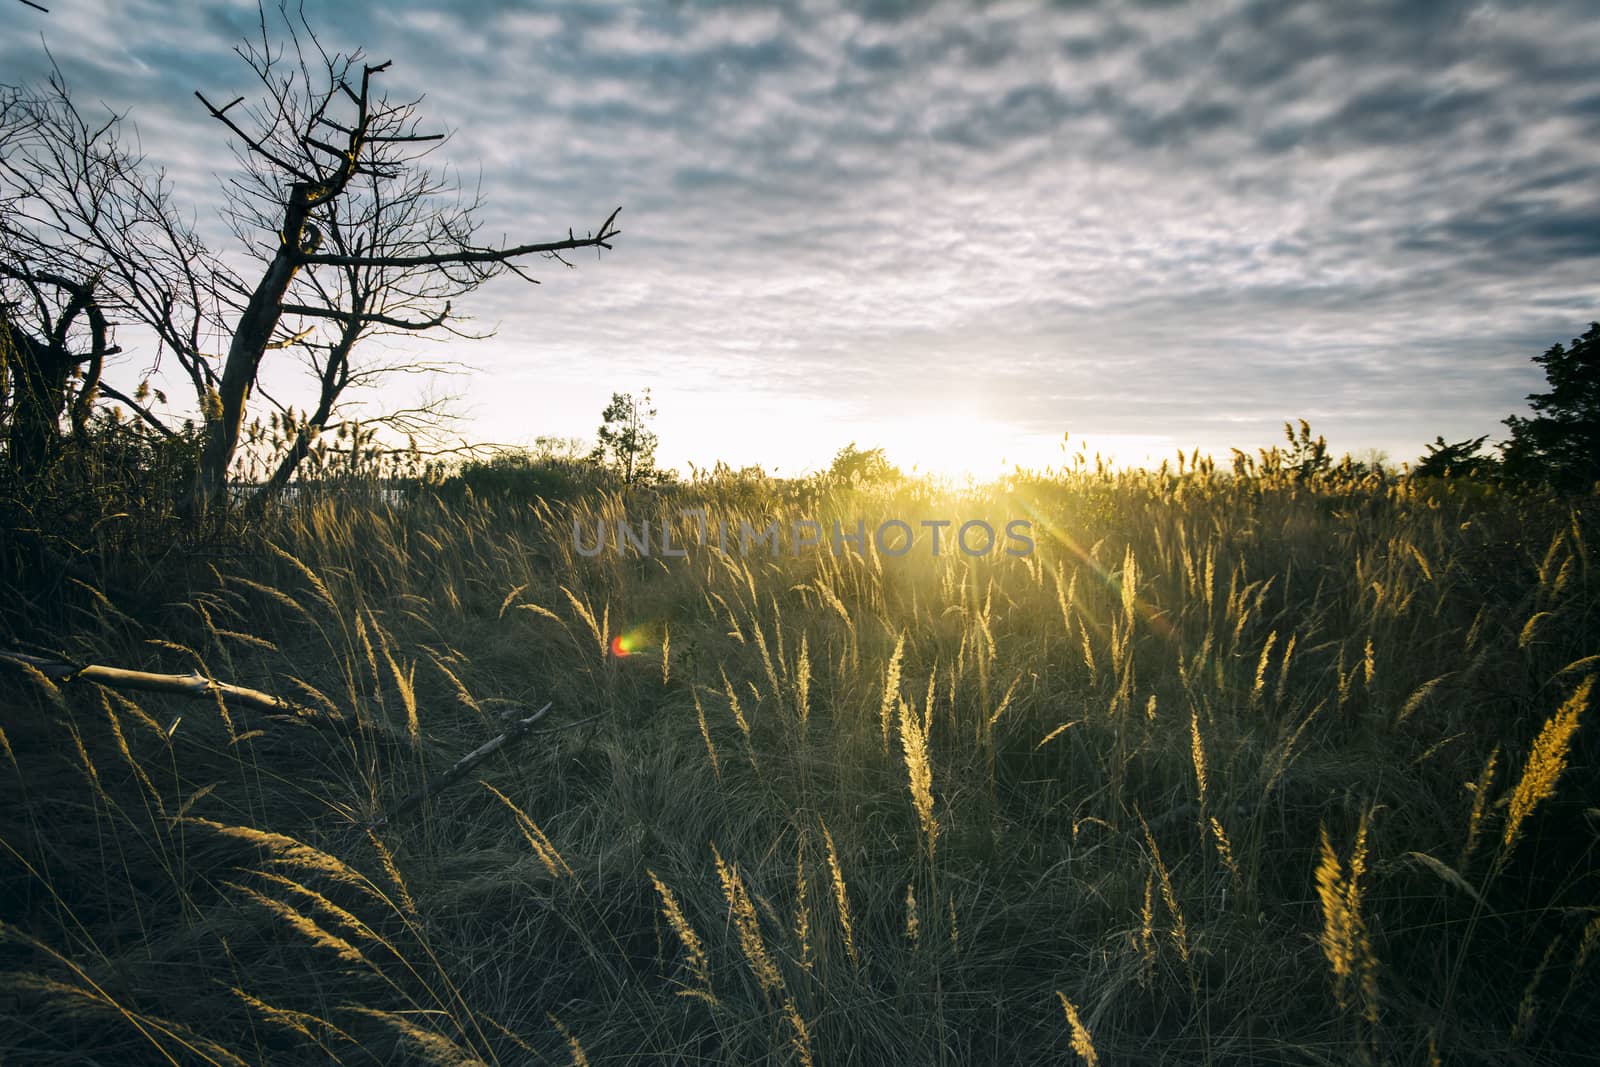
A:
x: 1227, y: 771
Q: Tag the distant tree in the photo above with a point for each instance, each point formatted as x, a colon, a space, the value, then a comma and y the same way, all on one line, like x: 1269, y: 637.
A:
x: 865, y: 465
x: 626, y: 444
x: 1460, y: 460
x: 1560, y: 445
x: 552, y: 448
x: 1373, y: 460
x: 522, y: 475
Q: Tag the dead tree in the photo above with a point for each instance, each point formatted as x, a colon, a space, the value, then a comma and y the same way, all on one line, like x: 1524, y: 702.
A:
x: 41, y: 364
x: 320, y: 138
x: 356, y: 301
x: 88, y: 237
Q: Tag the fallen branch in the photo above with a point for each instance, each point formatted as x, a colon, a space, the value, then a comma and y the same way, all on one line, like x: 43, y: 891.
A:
x: 439, y: 782
x: 193, y: 684
x: 199, y: 686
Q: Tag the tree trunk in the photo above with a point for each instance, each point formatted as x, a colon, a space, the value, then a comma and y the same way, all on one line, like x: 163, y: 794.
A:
x: 335, y: 377
x: 251, y: 337
x: 39, y: 374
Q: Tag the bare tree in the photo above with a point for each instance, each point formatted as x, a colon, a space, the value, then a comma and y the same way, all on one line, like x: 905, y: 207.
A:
x: 39, y: 366
x: 361, y: 300
x: 353, y: 234
x: 335, y: 178
x: 88, y: 237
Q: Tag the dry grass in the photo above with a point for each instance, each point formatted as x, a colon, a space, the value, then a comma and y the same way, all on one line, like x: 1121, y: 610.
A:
x: 1184, y: 776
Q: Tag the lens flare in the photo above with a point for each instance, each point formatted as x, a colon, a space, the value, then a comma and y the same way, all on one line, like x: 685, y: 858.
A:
x: 629, y: 642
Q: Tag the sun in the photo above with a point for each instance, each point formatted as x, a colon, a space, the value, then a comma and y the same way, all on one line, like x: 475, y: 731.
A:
x: 954, y: 444
x: 961, y: 444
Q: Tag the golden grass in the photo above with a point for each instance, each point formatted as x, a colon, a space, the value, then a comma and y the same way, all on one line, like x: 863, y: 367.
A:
x: 1480, y: 806
x: 1322, y: 671
x: 312, y: 1027
x: 1528, y: 1006
x: 1197, y: 756
x: 1179, y: 931
x: 913, y: 918
x: 694, y: 949
x: 543, y: 849
x: 802, y: 685
x: 748, y: 925
x: 304, y: 925
x: 1082, y: 1042
x: 1346, y: 944
x: 705, y: 734
x: 436, y: 1047
x: 802, y: 907
x: 801, y: 1040
x: 290, y: 852
x: 841, y: 899
x: 391, y: 869
x: 1544, y: 764
x: 891, y: 691
x: 919, y: 773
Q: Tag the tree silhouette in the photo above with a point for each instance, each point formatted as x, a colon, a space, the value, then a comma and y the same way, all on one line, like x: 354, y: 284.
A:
x: 88, y: 237
x: 322, y: 139
x: 352, y: 233
x: 1458, y: 460
x: 1560, y: 445
x: 626, y: 443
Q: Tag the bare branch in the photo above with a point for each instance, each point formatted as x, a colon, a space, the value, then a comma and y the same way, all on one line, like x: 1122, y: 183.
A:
x: 138, y: 409
x: 191, y: 685
x: 381, y: 320
x: 292, y: 340
x: 440, y: 782
x: 253, y: 144
x: 471, y: 255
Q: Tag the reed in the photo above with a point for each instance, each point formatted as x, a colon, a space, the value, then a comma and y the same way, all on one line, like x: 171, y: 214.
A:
x: 190, y: 881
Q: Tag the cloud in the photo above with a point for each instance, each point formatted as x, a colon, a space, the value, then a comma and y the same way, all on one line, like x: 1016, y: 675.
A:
x: 1196, y: 219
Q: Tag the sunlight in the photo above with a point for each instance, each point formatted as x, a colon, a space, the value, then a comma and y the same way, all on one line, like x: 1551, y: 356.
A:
x: 958, y: 444
x: 949, y: 441
x: 961, y: 444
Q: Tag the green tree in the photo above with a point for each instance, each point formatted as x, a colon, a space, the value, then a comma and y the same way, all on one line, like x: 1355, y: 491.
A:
x: 627, y: 445
x: 1561, y: 443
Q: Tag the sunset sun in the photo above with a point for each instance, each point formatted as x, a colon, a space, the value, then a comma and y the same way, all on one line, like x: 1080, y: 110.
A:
x: 956, y: 444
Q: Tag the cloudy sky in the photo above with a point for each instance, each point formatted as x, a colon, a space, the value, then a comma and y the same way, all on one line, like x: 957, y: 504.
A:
x: 959, y: 230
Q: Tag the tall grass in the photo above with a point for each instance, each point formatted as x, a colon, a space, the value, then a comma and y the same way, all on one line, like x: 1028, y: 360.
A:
x: 1262, y: 769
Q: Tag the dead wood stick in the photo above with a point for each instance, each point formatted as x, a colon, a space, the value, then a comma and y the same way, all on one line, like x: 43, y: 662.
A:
x: 193, y: 684
x: 462, y: 766
x: 199, y: 686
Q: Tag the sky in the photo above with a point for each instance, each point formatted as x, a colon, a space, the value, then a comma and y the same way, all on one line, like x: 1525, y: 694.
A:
x: 960, y: 231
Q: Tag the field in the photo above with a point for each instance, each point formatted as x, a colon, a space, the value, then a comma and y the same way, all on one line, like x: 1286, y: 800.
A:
x: 1228, y: 770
